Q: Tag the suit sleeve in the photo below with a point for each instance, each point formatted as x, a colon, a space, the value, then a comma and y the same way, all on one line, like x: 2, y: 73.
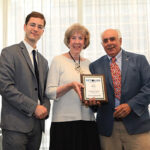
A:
x: 8, y: 88
x: 139, y: 103
x: 94, y: 108
x: 91, y: 68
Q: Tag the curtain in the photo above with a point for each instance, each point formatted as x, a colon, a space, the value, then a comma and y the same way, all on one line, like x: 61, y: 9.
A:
x: 131, y: 17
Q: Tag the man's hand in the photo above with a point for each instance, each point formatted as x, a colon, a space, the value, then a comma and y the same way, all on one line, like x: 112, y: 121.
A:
x: 40, y: 112
x: 122, y: 111
x: 91, y: 102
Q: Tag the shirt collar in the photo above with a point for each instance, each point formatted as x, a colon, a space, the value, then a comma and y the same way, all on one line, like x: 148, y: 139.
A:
x: 29, y: 47
x: 118, y: 56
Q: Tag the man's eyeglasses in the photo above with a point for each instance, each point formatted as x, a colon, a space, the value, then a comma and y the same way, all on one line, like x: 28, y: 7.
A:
x: 40, y: 27
x: 110, y: 39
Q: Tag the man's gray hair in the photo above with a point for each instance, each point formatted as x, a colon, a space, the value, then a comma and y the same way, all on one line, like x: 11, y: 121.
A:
x: 119, y: 33
x: 117, y: 30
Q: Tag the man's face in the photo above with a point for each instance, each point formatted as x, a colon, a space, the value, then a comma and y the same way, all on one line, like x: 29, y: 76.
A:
x: 111, y: 42
x: 34, y: 29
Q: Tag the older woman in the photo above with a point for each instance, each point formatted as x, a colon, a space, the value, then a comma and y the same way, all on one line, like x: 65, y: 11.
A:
x: 73, y: 124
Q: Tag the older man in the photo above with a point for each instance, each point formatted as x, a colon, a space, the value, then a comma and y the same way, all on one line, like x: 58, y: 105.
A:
x: 123, y: 122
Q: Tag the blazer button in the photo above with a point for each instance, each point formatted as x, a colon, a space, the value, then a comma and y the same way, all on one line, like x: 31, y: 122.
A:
x: 35, y: 89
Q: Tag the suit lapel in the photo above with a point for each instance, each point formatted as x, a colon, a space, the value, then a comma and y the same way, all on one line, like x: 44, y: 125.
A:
x: 108, y: 73
x: 27, y: 57
x: 109, y: 78
x: 40, y: 68
x: 125, y: 63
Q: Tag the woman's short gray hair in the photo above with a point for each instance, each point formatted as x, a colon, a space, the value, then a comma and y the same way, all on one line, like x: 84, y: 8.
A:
x: 77, y: 28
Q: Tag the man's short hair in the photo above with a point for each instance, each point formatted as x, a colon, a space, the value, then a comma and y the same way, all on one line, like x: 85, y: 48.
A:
x: 35, y: 15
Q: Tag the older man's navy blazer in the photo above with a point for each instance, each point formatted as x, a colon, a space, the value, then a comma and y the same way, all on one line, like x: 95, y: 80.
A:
x: 135, y: 91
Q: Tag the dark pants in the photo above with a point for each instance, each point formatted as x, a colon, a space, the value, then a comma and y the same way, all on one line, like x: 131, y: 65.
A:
x: 22, y: 141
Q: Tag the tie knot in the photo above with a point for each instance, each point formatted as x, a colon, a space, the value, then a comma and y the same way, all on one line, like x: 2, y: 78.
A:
x: 33, y: 52
x: 113, y: 59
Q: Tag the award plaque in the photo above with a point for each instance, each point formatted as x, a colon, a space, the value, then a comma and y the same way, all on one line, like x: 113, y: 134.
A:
x: 94, y: 87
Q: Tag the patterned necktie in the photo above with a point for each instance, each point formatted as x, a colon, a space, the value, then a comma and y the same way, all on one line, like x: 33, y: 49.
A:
x: 36, y: 72
x: 116, y: 77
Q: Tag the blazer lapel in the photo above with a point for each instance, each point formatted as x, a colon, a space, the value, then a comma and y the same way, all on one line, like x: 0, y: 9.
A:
x: 108, y: 73
x: 125, y: 63
x: 40, y: 68
x: 109, y: 79
x: 27, y: 57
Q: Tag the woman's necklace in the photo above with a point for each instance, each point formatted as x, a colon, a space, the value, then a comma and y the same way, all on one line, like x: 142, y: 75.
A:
x: 77, y: 65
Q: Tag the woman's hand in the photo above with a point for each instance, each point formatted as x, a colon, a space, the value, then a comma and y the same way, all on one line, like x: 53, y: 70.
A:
x: 77, y: 87
x: 61, y: 90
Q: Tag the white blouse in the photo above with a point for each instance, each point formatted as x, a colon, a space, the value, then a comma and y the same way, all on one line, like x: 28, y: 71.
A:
x: 67, y: 107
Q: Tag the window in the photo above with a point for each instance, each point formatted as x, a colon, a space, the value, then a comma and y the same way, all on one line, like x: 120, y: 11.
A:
x: 131, y: 17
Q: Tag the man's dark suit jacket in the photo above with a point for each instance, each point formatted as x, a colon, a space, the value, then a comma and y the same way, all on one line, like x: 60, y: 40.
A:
x: 18, y: 87
x: 135, y: 91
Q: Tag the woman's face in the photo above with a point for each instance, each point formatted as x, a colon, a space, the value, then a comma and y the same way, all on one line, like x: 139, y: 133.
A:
x: 76, y: 43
